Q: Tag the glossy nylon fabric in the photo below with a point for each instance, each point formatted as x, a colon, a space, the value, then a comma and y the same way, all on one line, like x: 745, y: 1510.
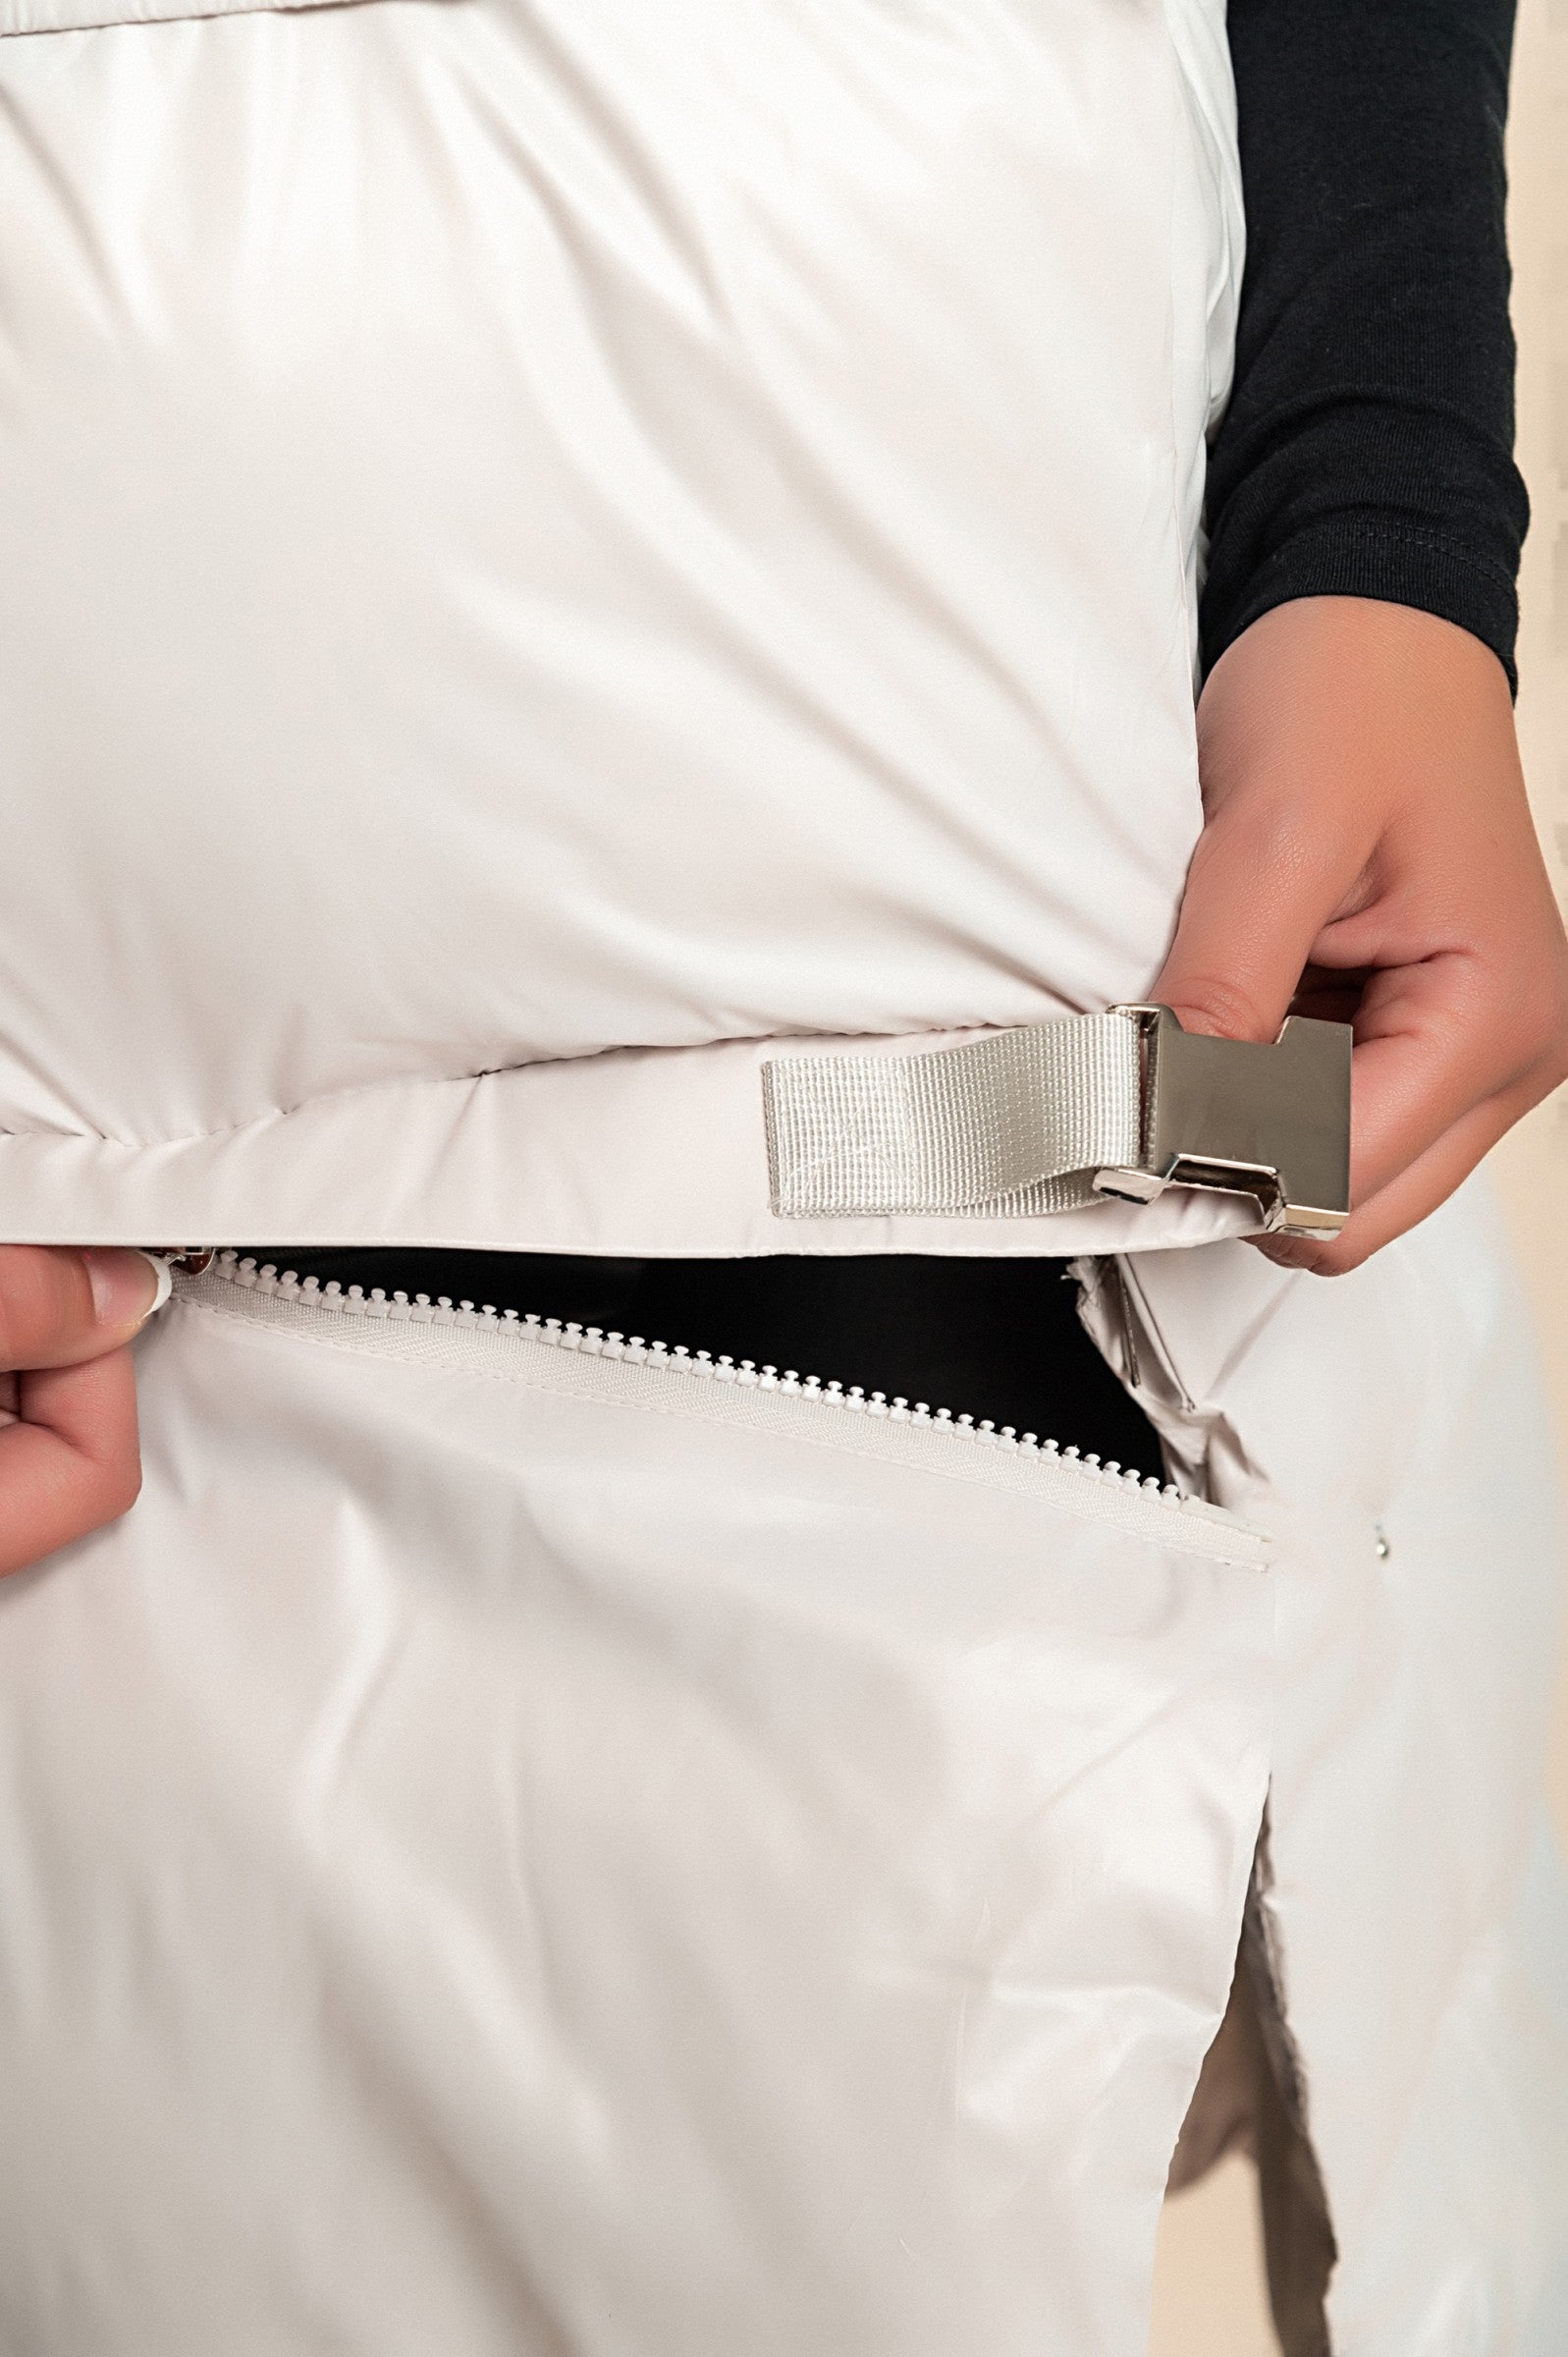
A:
x: 510, y: 1852
x: 566, y: 542
x: 1393, y: 1428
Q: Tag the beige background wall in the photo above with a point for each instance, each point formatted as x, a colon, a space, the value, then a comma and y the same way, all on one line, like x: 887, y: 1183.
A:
x: 1209, y: 2286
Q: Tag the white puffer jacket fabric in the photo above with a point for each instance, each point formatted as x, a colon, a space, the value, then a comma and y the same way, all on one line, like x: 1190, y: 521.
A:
x: 566, y: 542
x: 564, y: 545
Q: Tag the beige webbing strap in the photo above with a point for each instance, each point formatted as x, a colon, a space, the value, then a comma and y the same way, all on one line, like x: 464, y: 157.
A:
x: 1016, y: 1123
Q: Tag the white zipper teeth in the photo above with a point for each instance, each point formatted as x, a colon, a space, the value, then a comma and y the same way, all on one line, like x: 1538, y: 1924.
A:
x: 594, y: 1341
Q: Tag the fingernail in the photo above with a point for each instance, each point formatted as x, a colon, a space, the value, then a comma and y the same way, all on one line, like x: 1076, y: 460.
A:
x: 127, y: 1286
x: 1283, y: 1254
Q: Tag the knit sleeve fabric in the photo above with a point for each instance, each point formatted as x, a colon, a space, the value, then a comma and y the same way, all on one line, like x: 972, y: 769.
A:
x: 1368, y: 446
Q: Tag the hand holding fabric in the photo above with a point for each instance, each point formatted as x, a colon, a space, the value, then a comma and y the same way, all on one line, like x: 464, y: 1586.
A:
x: 69, y: 1458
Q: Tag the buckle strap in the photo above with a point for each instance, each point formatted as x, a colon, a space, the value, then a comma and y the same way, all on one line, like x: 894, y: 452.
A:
x: 1044, y: 1118
x: 1013, y: 1123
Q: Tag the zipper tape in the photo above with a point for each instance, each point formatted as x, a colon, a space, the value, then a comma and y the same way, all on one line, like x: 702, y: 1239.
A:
x: 585, y: 1362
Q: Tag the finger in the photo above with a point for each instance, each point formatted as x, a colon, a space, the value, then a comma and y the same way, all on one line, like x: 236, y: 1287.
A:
x: 1407, y: 1199
x: 1258, y: 893
x: 58, y: 1308
x: 68, y: 1461
x: 1436, y: 1042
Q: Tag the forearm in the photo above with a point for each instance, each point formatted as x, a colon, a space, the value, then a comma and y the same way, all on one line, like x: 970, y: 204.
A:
x: 1367, y: 450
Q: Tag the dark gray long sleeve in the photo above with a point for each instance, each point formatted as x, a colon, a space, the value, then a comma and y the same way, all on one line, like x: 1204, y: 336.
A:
x: 1368, y: 446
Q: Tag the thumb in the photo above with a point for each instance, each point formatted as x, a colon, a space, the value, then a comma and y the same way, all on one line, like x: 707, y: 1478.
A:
x: 1257, y: 897
x: 59, y: 1308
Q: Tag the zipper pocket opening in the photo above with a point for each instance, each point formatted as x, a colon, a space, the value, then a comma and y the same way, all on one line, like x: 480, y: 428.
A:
x: 374, y: 1317
x: 1004, y: 1340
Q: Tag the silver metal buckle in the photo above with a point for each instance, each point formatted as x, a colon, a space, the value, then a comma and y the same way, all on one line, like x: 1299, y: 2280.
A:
x: 1269, y: 1122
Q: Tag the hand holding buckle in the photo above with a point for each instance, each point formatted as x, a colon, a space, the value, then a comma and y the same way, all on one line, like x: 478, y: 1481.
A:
x: 1269, y: 1122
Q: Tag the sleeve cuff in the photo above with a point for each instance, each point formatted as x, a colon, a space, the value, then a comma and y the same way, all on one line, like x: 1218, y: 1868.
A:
x: 1380, y: 556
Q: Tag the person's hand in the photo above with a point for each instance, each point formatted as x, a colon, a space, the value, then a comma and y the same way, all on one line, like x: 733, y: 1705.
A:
x: 1368, y: 855
x: 69, y: 1460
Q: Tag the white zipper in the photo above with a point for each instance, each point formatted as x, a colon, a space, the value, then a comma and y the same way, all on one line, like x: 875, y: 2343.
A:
x: 560, y: 1355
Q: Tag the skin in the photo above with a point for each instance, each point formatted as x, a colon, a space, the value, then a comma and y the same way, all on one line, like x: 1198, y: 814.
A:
x: 1367, y: 853
x: 69, y: 1460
